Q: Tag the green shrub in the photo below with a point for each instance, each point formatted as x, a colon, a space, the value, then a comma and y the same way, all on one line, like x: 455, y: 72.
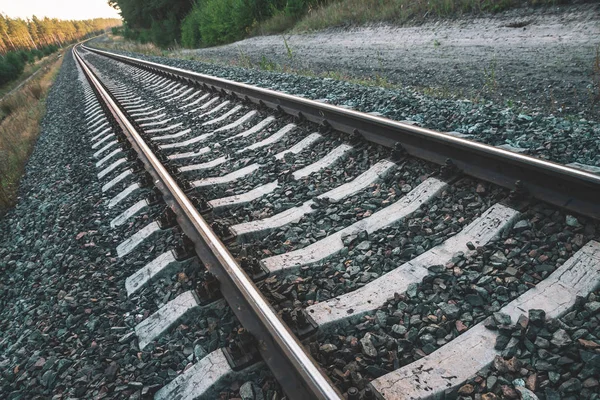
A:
x: 213, y: 22
x: 190, y: 28
x: 217, y: 24
x: 37, y: 53
x: 144, y: 36
x: 296, y: 8
x: 11, y: 66
x: 165, y: 33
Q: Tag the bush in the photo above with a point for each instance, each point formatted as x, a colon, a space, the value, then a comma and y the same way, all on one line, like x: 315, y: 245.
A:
x: 190, y: 28
x: 217, y: 24
x: 144, y: 36
x: 296, y: 8
x: 23, y: 55
x: 49, y: 49
x: 213, y: 22
x: 37, y: 53
x: 165, y: 33
x: 11, y: 66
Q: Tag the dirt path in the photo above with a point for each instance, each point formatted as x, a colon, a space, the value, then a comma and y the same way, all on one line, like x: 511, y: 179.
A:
x: 543, y: 58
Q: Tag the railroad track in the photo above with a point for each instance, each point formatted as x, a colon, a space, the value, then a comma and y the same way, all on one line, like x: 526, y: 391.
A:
x: 314, y: 223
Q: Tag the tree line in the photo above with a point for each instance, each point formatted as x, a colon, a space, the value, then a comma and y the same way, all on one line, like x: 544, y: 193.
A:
x: 24, y: 40
x: 193, y: 23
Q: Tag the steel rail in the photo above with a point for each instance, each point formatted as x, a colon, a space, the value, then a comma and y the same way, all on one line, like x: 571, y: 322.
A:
x: 563, y: 186
x: 294, y: 369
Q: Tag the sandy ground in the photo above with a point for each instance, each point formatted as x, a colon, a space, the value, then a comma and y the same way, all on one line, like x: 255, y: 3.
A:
x: 543, y: 58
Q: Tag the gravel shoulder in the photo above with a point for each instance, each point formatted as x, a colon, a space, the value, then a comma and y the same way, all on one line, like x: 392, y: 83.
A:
x: 563, y: 139
x: 542, y: 58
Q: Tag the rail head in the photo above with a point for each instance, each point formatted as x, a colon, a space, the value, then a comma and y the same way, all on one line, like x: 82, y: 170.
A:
x: 563, y: 186
x: 292, y: 366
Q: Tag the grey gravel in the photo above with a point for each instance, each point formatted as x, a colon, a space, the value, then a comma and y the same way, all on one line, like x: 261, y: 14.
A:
x: 551, y: 359
x: 468, y: 290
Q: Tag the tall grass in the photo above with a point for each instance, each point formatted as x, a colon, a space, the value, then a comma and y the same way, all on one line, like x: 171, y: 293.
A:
x: 20, y: 116
x: 116, y: 42
x: 357, y: 12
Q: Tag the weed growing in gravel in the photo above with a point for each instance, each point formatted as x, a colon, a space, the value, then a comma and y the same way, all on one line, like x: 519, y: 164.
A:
x: 266, y: 64
x: 243, y: 59
x: 442, y: 92
x: 22, y: 112
x: 288, y: 49
x: 490, y: 83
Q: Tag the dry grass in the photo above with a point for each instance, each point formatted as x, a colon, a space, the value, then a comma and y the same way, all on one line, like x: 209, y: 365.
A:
x: 20, y: 116
x: 278, y: 23
x: 358, y: 12
x: 119, y: 43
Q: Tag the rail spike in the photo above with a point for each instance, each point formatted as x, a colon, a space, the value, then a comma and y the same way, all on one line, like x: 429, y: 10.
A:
x: 185, y: 250
x: 449, y: 170
x: 398, y: 152
x: 299, y: 321
x: 242, y: 350
x: 167, y: 219
x: 255, y: 271
x: 519, y: 197
x: 208, y: 288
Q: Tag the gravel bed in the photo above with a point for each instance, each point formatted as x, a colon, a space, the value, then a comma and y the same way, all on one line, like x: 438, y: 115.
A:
x: 453, y: 298
x: 271, y: 169
x: 229, y: 148
x: 367, y: 257
x: 295, y: 192
x: 548, y: 359
x: 238, y: 161
x: 560, y: 139
x: 67, y: 322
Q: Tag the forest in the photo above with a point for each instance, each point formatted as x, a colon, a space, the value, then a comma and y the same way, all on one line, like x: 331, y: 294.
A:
x: 203, y: 22
x: 25, y: 40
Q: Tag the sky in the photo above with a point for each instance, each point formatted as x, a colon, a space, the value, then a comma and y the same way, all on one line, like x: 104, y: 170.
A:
x: 62, y: 9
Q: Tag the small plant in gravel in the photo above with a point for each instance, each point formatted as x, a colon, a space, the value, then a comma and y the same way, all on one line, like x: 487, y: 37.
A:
x: 490, y: 84
x: 288, y: 48
x: 243, y: 59
x: 266, y: 64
